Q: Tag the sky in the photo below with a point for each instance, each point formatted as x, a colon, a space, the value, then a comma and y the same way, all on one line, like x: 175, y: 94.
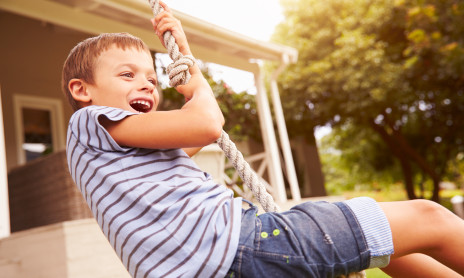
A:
x: 253, y: 18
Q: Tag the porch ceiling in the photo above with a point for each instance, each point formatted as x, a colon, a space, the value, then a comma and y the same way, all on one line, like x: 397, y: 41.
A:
x: 208, y: 42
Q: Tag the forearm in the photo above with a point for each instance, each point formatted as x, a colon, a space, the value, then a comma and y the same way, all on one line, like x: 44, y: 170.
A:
x: 202, y: 102
x: 200, y: 97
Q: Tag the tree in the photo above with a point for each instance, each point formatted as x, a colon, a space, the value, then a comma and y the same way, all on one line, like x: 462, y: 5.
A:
x: 394, y: 67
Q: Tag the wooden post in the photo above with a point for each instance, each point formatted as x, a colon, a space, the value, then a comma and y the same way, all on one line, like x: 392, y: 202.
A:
x: 4, y: 203
x: 269, y: 140
x: 283, y: 134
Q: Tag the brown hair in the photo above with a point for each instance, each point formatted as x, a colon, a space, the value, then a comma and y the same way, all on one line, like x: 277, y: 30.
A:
x: 82, y: 58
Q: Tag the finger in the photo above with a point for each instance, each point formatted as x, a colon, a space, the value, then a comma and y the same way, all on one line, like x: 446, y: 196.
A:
x: 153, y: 23
x: 163, y: 16
x: 168, y: 23
x: 155, y: 27
x: 165, y: 6
x: 158, y: 33
x: 171, y: 26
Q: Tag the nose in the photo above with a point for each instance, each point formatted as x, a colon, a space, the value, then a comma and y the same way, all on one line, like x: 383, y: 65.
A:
x: 148, y: 86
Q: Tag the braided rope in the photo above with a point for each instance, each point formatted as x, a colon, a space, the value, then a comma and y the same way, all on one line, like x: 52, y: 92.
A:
x: 178, y: 71
x: 179, y: 74
x: 249, y: 177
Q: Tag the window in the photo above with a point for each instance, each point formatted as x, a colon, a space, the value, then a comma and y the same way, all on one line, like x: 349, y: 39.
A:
x: 39, y: 126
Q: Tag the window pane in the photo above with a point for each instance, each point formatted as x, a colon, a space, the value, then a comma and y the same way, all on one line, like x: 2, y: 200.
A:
x: 37, y: 133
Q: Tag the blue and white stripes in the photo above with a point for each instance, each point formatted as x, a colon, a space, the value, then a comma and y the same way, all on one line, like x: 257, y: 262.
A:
x: 375, y: 227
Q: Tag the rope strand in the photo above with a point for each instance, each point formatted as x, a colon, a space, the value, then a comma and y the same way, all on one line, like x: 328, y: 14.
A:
x: 249, y: 177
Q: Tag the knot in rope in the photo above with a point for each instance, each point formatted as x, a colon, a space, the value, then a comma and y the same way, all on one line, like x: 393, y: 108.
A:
x: 178, y: 70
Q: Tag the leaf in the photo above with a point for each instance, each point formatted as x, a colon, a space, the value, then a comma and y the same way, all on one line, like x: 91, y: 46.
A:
x: 417, y: 36
x: 449, y: 47
x: 410, y: 62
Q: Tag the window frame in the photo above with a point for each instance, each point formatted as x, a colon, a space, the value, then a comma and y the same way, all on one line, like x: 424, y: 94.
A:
x: 53, y: 105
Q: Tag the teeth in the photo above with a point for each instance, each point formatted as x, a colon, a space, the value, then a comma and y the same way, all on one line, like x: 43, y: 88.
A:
x: 142, y: 102
x: 142, y: 106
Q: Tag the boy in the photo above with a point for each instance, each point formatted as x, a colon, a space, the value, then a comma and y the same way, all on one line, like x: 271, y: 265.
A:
x: 166, y: 218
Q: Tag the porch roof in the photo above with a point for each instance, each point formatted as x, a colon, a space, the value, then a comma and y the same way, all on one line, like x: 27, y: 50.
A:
x: 209, y: 42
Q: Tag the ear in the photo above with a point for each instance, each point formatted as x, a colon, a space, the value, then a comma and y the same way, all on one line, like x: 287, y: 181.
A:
x: 79, y: 91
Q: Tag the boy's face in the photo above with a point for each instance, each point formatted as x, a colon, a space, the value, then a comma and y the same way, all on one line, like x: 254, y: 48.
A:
x: 125, y: 79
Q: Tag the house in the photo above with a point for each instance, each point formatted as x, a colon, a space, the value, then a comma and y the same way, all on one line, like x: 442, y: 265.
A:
x: 36, y: 38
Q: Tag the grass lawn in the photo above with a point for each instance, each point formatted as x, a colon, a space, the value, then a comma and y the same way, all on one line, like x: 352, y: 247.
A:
x: 394, y: 193
x: 397, y: 193
x: 376, y: 273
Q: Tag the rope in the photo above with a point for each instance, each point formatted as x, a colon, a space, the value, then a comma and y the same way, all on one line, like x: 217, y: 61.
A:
x: 179, y: 74
x: 249, y: 177
x: 178, y: 71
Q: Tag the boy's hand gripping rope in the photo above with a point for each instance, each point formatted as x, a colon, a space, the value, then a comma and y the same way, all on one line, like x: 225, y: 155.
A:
x: 178, y: 71
x: 179, y: 74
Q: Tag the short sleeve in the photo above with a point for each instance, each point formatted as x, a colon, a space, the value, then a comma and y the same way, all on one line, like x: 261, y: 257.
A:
x: 87, y: 130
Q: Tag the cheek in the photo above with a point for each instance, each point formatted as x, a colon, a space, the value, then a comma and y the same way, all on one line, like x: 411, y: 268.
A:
x: 156, y: 99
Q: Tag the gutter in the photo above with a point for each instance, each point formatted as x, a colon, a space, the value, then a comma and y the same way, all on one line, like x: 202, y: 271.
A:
x: 141, y: 8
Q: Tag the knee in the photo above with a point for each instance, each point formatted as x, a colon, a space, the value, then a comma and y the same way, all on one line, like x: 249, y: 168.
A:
x: 432, y: 213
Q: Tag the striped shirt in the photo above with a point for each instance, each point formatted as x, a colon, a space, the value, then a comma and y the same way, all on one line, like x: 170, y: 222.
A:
x: 163, y: 216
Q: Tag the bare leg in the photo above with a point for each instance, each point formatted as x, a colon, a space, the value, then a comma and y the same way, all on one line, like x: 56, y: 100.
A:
x: 422, y: 226
x: 418, y: 265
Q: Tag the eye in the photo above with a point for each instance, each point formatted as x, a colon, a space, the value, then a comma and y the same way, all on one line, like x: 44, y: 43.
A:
x: 152, y: 81
x: 127, y: 74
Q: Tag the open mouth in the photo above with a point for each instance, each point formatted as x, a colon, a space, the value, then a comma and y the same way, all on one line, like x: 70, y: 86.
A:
x: 142, y: 106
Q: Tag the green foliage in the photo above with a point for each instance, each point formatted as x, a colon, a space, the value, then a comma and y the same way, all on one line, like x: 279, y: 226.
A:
x: 241, y: 115
x: 365, y: 165
x: 171, y: 99
x: 395, y: 68
x: 239, y: 109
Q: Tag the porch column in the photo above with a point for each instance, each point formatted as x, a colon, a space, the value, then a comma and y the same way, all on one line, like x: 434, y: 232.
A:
x: 283, y: 134
x: 4, y: 203
x: 269, y: 139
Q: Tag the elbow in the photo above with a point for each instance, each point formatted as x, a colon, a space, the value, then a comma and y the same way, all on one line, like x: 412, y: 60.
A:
x: 206, y: 125
x: 213, y: 128
x: 214, y: 131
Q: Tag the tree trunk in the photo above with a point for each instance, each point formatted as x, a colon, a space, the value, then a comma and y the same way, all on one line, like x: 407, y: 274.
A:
x: 436, y: 190
x: 401, y: 148
x: 407, y: 175
x: 404, y: 161
x: 418, y: 159
x: 309, y: 168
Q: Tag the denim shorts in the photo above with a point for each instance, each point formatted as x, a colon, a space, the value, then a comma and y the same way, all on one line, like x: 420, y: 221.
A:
x: 313, y: 239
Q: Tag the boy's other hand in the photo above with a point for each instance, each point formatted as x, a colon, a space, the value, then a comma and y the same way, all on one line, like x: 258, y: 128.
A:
x: 165, y: 21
